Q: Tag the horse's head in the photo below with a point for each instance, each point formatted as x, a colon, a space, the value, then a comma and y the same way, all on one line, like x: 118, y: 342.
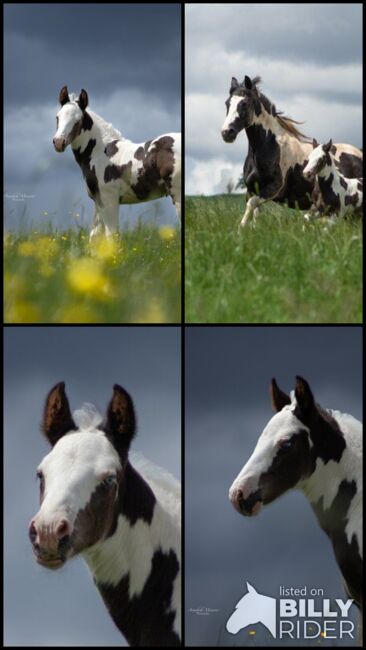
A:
x: 69, y: 119
x: 241, y: 106
x: 81, y: 477
x: 283, y: 454
x: 253, y: 608
x: 318, y: 159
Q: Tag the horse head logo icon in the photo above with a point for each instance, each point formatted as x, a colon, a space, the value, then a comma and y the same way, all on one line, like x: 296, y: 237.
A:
x: 253, y: 608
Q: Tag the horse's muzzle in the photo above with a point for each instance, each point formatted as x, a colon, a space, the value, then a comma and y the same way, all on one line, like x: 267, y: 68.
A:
x: 59, y: 144
x: 249, y: 506
x: 229, y: 135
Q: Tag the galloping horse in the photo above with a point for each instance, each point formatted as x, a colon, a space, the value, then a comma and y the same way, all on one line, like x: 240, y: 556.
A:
x: 125, y: 523
x: 116, y: 170
x: 319, y: 452
x: 278, y: 151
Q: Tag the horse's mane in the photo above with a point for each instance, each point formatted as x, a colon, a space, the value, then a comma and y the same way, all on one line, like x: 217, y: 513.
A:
x: 287, y: 123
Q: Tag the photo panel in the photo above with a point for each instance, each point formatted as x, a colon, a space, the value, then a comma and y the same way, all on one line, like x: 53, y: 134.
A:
x: 92, y: 486
x: 273, y: 486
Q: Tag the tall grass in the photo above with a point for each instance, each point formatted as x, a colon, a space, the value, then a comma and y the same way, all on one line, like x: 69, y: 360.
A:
x: 282, y: 270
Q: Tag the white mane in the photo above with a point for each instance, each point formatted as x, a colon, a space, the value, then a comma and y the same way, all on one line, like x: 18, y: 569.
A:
x: 87, y: 418
x: 107, y: 130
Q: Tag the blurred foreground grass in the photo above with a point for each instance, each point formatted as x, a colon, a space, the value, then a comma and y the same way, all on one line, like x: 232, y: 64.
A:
x: 58, y: 277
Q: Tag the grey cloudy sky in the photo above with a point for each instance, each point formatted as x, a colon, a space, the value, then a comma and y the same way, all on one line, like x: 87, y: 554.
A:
x: 309, y: 57
x: 128, y: 58
x: 228, y: 371
x: 43, y: 608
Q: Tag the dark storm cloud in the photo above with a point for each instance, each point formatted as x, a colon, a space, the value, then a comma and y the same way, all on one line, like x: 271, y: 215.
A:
x: 94, y: 46
x: 228, y: 370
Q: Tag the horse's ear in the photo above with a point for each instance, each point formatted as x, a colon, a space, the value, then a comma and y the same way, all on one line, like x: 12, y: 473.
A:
x: 83, y: 99
x: 315, y: 144
x: 250, y: 588
x: 234, y: 84
x: 248, y: 82
x: 279, y: 399
x: 64, y: 96
x: 304, y: 397
x: 327, y: 147
x: 120, y: 420
x: 57, y: 418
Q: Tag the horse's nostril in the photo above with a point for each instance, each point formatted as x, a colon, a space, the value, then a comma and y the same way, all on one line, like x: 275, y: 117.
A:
x: 62, y: 529
x: 32, y: 532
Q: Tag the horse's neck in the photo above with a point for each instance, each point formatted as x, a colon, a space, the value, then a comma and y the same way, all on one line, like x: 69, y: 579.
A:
x: 102, y: 132
x: 138, y: 557
x: 334, y: 485
x: 327, y: 170
x: 268, y: 122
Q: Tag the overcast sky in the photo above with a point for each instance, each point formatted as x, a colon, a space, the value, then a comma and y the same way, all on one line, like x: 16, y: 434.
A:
x: 309, y: 57
x: 228, y: 372
x: 128, y: 58
x: 43, y: 608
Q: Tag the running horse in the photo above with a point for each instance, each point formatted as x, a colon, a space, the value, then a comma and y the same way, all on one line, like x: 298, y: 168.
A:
x: 116, y: 170
x: 318, y: 451
x: 124, y: 522
x: 278, y: 151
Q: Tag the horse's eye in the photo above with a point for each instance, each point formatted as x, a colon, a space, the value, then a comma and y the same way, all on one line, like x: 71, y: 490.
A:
x: 109, y: 481
x: 286, y: 444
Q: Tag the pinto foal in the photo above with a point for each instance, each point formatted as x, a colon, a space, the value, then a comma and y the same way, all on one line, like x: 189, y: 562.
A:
x: 319, y: 452
x: 93, y: 502
x: 339, y: 194
x: 116, y: 170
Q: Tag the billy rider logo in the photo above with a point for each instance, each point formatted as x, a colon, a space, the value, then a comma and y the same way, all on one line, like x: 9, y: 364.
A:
x: 293, y: 618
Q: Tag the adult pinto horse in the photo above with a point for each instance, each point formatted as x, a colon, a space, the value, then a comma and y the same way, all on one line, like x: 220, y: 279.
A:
x: 278, y: 151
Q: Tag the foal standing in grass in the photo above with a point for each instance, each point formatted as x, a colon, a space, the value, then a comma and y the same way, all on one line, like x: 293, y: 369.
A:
x: 116, y: 170
x: 125, y: 525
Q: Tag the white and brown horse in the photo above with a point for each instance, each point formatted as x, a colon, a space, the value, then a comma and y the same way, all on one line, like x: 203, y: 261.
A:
x: 278, y: 151
x: 124, y: 523
x: 338, y: 195
x: 116, y: 170
x: 319, y: 452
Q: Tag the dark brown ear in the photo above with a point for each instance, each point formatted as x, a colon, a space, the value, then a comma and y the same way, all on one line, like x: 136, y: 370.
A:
x: 279, y: 399
x: 57, y: 418
x: 315, y: 144
x: 83, y: 99
x: 304, y: 398
x: 248, y: 82
x: 64, y: 96
x: 120, y: 420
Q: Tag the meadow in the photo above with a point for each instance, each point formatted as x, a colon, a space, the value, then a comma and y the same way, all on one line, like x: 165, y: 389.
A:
x: 282, y: 270
x: 58, y: 277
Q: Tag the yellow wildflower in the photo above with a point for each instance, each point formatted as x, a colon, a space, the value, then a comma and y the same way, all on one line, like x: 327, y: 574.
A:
x: 167, y: 233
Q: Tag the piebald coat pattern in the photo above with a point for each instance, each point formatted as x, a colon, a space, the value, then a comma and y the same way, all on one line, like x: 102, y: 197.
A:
x: 277, y: 152
x: 116, y: 170
x: 339, y: 194
x: 319, y: 452
x: 123, y: 519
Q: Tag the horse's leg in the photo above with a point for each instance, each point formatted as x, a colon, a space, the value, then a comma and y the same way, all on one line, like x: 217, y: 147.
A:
x: 98, y: 227
x: 175, y: 193
x: 267, y: 193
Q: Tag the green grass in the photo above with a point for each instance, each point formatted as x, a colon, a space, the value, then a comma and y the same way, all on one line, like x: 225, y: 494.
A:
x: 59, y: 277
x: 282, y: 270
